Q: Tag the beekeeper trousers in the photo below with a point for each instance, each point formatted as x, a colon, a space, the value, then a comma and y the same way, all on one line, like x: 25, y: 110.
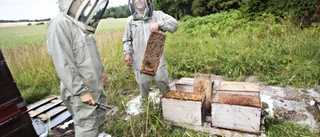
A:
x: 144, y: 81
x: 89, y: 120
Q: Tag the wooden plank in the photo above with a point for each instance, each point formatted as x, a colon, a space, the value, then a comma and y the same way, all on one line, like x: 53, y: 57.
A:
x: 32, y: 112
x: 317, y: 100
x: 45, y: 117
x: 41, y: 103
x: 44, y: 110
x: 203, y: 85
x: 153, y: 53
x: 238, y: 86
x: 56, y: 101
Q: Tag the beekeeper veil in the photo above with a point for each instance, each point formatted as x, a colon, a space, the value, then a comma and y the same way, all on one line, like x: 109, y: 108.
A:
x: 141, y: 9
x: 85, y: 12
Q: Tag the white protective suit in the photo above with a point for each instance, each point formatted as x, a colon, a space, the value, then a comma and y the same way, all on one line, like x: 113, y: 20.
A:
x: 135, y: 39
x: 76, y: 59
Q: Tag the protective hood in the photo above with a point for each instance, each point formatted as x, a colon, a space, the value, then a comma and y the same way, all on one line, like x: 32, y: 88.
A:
x: 85, y: 13
x: 141, y: 5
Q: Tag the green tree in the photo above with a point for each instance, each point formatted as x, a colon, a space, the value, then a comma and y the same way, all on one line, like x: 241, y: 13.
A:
x: 117, y: 12
x: 301, y: 12
x: 176, y: 8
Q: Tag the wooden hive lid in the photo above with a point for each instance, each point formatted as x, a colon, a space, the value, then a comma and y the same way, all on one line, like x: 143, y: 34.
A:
x: 185, y: 81
x: 238, y: 86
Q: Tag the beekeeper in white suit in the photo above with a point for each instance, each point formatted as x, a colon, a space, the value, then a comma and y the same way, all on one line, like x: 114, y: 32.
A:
x: 76, y: 58
x: 139, y: 26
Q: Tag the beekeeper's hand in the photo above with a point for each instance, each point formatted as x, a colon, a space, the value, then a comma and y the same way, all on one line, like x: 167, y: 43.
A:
x: 105, y: 77
x: 87, y: 98
x: 128, y: 60
x: 154, y: 27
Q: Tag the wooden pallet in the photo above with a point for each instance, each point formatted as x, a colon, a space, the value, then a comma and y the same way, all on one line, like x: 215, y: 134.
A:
x: 41, y: 109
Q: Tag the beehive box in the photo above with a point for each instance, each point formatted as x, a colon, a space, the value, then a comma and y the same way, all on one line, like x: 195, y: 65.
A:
x: 183, y: 107
x: 184, y: 84
x: 237, y: 106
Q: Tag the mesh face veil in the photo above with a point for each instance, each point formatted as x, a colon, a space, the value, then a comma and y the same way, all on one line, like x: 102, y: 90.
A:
x: 141, y: 5
x: 88, y: 12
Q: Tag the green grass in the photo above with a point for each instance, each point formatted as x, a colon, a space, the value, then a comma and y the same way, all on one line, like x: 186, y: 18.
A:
x: 278, y: 53
x: 275, y: 50
x: 22, y: 36
x: 111, y: 24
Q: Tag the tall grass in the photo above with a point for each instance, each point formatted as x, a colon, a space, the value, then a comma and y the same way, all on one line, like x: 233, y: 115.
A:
x: 271, y: 48
x: 278, y: 53
x: 33, y: 72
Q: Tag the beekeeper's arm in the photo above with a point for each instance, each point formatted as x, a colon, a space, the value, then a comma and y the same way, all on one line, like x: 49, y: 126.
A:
x: 165, y: 22
x: 127, y: 43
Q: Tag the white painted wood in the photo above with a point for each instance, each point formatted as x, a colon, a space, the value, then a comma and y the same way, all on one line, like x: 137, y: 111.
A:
x: 238, y: 86
x: 185, y: 84
x: 236, y: 117
x: 182, y: 111
x: 239, y: 92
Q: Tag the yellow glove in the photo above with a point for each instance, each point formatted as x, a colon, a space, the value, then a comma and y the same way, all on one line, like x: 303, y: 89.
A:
x: 87, y: 98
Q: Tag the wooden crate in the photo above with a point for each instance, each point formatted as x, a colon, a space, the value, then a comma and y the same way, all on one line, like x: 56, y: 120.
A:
x: 244, y: 88
x: 237, y: 112
x: 183, y: 111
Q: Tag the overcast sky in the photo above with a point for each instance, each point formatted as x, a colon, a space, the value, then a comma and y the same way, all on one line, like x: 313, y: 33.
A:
x: 36, y: 9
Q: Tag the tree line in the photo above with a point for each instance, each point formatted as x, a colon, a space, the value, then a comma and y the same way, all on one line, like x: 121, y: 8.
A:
x: 302, y: 12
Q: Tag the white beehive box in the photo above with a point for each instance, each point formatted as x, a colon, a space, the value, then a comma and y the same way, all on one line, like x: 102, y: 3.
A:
x: 184, y: 84
x: 182, y: 111
x: 237, y: 106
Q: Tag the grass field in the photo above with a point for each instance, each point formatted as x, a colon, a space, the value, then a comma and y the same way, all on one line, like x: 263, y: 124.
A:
x: 278, y: 54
